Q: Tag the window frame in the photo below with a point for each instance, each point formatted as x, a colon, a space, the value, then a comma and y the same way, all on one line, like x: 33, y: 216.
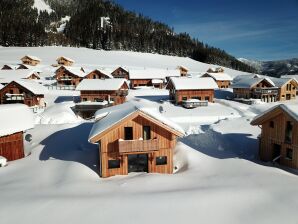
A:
x: 161, y: 160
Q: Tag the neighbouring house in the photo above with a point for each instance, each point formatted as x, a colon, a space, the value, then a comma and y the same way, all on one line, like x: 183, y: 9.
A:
x: 279, y: 135
x: 36, y: 68
x: 15, y: 119
x: 30, y: 60
x: 134, y: 139
x: 287, y: 88
x: 216, y: 70
x: 151, y: 77
x: 6, y: 76
x: 65, y: 61
x: 185, y: 89
x: 121, y: 73
x: 100, y: 93
x: 69, y: 76
x: 183, y: 70
x: 255, y: 88
x: 98, y: 74
x: 9, y: 67
x: 223, y: 80
x: 26, y: 92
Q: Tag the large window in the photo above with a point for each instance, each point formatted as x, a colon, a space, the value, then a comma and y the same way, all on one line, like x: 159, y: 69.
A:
x: 207, y: 98
x: 289, y: 154
x: 289, y: 132
x: 114, y: 164
x: 128, y: 133
x: 161, y: 160
x: 146, y: 132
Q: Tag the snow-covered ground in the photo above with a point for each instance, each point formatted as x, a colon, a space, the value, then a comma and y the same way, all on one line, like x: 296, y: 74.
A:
x: 219, y: 177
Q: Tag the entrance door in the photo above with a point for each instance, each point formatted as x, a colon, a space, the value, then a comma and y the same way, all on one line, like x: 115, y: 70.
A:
x: 138, y: 163
x: 276, y: 153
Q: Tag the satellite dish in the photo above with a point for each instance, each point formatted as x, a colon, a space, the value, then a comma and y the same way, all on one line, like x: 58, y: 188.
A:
x: 28, y: 137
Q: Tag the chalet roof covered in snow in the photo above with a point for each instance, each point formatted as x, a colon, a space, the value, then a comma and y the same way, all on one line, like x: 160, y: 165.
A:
x: 279, y: 82
x: 15, y: 118
x: 100, y: 84
x: 32, y: 86
x: 105, y: 72
x: 108, y: 117
x: 65, y: 58
x: 34, y: 58
x: 11, y: 66
x: 7, y: 76
x: 1, y: 86
x: 291, y: 77
x: 291, y: 110
x: 185, y: 83
x: 153, y: 73
x: 249, y: 82
x: 74, y: 70
x: 220, y: 76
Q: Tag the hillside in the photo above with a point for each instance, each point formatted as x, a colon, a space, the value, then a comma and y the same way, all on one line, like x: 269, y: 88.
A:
x: 103, y: 25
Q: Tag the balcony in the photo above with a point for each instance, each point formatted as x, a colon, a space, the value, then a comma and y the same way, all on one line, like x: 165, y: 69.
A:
x: 137, y: 146
x: 266, y: 91
x: 14, y: 97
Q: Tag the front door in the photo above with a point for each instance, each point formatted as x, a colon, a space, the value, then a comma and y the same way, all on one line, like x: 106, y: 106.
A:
x: 276, y: 153
x: 138, y: 163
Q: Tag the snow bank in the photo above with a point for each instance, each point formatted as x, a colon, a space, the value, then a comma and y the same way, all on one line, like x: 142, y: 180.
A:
x: 40, y: 5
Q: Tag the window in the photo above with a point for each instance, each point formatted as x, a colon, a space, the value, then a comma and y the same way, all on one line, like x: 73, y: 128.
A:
x: 146, y: 132
x: 161, y: 160
x: 289, y: 132
x: 207, y: 98
x: 271, y: 124
x: 114, y: 164
x: 84, y: 99
x: 94, y: 76
x: 98, y: 100
x: 11, y: 91
x: 184, y: 98
x: 289, y: 154
x: 112, y: 99
x: 128, y: 133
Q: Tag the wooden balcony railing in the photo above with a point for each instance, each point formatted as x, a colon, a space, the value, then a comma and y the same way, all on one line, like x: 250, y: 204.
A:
x: 135, y: 146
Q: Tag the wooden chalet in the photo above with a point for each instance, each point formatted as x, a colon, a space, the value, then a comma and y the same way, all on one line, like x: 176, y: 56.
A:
x: 65, y: 61
x: 132, y: 139
x: 222, y: 80
x: 120, y: 73
x: 9, y: 67
x: 184, y: 89
x: 26, y: 92
x: 69, y: 76
x: 30, y: 60
x: 216, y: 70
x: 14, y: 120
x: 255, y: 88
x: 100, y: 93
x: 151, y: 77
x: 183, y: 70
x: 98, y: 74
x: 287, y: 88
x: 279, y: 136
x: 6, y: 76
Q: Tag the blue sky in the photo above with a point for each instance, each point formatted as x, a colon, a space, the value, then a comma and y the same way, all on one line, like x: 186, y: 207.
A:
x: 263, y: 30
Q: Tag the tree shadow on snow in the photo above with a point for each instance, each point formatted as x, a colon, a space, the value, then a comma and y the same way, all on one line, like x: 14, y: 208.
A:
x: 154, y: 98
x: 71, y: 145
x: 61, y: 99
x: 223, y: 146
x: 223, y: 94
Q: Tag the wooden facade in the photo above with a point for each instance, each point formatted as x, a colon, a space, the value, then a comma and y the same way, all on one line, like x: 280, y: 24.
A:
x: 65, y: 77
x: 223, y: 84
x: 16, y: 93
x: 12, y: 146
x: 120, y: 73
x: 150, y: 152
x: 27, y: 60
x: 288, y: 91
x: 275, y: 143
x: 262, y: 90
x: 182, y: 95
x: 183, y: 70
x: 134, y: 83
x: 65, y: 61
x: 96, y: 74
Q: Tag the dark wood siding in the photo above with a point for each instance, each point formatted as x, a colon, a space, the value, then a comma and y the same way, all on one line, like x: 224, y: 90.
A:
x: 12, y: 146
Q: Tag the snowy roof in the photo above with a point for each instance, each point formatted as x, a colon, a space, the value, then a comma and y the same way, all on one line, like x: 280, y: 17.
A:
x: 157, y: 81
x: 185, y: 83
x: 32, y: 86
x: 105, y: 72
x: 74, y: 70
x: 220, y: 76
x: 183, y: 67
x: 291, y: 110
x: 153, y: 73
x: 108, y: 117
x: 100, y: 84
x: 15, y: 118
x: 66, y: 58
x: 12, y: 66
x: 1, y: 86
x: 249, y: 82
x: 7, y: 76
x: 36, y: 68
x: 31, y: 57
x: 279, y: 82
x: 290, y: 76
